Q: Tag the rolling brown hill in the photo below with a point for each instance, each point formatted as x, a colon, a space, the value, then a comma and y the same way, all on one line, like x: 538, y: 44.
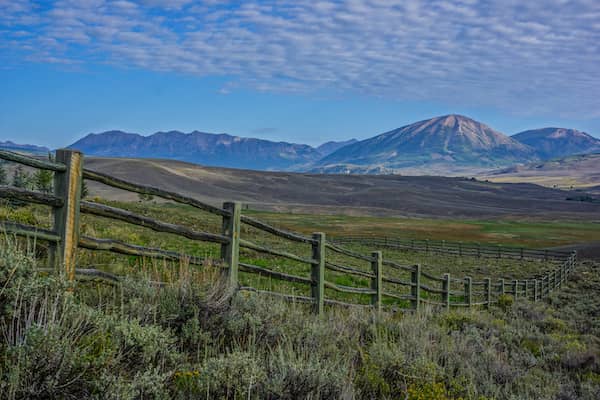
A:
x: 344, y: 194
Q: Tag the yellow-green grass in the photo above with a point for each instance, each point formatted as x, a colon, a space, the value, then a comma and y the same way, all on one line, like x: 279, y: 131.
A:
x: 512, y: 232
x: 435, y: 264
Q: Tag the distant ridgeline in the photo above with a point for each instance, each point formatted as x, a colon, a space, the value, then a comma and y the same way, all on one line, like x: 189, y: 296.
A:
x: 24, y: 148
x: 447, y: 144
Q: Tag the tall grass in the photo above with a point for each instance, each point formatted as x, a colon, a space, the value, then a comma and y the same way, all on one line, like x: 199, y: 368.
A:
x: 191, y: 337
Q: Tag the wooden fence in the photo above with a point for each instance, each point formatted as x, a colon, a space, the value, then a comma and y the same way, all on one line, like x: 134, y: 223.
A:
x: 422, y: 287
x: 456, y: 248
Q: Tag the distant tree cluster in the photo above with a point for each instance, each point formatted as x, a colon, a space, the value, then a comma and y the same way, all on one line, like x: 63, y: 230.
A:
x: 40, y: 180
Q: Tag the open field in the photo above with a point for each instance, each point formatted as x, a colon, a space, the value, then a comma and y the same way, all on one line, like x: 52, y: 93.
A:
x: 532, y: 233
x: 384, y: 195
x: 197, y: 339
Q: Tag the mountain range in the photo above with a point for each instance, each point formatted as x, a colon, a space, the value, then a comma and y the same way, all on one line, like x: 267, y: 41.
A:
x: 558, y: 142
x: 450, y: 141
x: 24, y: 148
x: 445, y: 145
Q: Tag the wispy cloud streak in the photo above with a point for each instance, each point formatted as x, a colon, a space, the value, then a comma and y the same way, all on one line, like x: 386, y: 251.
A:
x: 530, y: 57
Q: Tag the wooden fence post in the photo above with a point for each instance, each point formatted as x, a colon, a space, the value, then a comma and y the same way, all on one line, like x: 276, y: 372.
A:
x: 526, y: 289
x: 446, y: 290
x: 478, y: 250
x: 230, y: 252
x: 488, y: 292
x: 502, y: 287
x: 67, y: 186
x: 318, y: 272
x: 560, y: 275
x: 415, y: 277
x: 468, y: 291
x: 535, y: 290
x: 521, y: 253
x: 376, y: 284
x: 516, y: 288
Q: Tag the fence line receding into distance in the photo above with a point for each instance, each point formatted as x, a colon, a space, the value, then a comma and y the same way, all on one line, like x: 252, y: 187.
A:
x: 384, y: 275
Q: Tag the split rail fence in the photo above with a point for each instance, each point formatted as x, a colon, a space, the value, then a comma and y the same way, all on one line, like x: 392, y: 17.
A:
x: 391, y: 284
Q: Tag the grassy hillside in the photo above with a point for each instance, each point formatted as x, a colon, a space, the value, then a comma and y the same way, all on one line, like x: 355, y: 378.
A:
x: 190, y: 340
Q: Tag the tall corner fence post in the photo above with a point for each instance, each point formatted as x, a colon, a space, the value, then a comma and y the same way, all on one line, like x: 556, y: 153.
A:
x: 317, y: 272
x: 468, y: 291
x: 230, y: 252
x: 446, y: 290
x: 488, y: 292
x: 415, y: 278
x: 67, y: 186
x: 376, y: 281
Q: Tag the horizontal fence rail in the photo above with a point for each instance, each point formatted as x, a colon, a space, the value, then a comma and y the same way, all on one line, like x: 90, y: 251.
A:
x: 456, y: 248
x: 408, y: 286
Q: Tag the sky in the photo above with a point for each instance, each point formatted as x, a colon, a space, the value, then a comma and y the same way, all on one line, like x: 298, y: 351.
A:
x: 304, y: 71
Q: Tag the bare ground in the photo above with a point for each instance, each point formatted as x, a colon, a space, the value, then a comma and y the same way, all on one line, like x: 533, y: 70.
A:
x: 391, y: 195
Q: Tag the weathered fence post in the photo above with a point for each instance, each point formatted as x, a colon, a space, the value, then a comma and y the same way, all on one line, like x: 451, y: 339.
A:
x: 67, y: 186
x: 502, y: 287
x: 535, y: 290
x: 516, y: 288
x: 521, y: 253
x: 446, y: 290
x: 318, y: 272
x: 478, y: 250
x: 468, y: 291
x: 488, y: 292
x: 526, y: 289
x: 561, y: 274
x: 415, y: 277
x: 376, y: 283
x: 230, y: 252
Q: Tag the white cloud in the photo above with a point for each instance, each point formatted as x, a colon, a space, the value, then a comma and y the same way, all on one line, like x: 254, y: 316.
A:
x: 521, y: 56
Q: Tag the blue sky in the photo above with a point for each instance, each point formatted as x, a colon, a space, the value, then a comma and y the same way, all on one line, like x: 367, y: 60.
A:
x: 299, y: 71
